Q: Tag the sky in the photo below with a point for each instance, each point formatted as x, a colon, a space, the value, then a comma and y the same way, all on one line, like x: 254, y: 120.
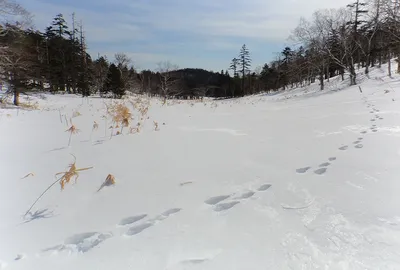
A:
x: 191, y: 34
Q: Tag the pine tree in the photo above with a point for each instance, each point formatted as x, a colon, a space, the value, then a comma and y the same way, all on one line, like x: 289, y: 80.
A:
x: 59, y: 26
x: 114, y: 82
x: 244, y: 63
x: 234, y: 66
x: 100, y: 71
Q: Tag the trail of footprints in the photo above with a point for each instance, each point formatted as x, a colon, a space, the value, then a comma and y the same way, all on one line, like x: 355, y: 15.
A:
x: 373, y: 128
x: 357, y: 144
x: 84, y: 242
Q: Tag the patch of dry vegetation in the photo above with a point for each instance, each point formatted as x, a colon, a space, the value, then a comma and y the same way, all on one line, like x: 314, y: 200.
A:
x: 66, y: 177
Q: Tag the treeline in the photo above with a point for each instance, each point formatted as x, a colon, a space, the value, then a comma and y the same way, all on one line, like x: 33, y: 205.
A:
x: 340, y: 41
x: 333, y: 42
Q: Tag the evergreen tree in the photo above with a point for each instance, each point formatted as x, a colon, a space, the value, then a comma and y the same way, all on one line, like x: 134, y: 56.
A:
x: 244, y: 64
x: 100, y: 71
x: 59, y: 26
x: 234, y: 66
x: 287, y: 53
x: 114, y: 82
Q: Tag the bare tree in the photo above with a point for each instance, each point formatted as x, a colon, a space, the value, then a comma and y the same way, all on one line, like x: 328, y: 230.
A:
x: 392, y: 27
x: 165, y: 70
x: 312, y: 35
x: 18, y: 67
x: 316, y: 36
x: 13, y: 13
x: 123, y: 62
x: 370, y: 30
x: 336, y: 23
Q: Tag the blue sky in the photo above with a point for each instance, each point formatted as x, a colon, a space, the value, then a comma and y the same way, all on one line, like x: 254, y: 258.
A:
x: 190, y: 33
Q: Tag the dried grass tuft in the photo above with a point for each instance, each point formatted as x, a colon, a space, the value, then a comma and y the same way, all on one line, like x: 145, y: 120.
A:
x: 72, y: 172
x: 72, y: 130
x: 120, y: 114
x: 156, y: 126
x: 65, y: 178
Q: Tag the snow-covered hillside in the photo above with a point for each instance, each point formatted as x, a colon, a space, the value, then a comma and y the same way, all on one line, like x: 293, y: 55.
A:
x: 303, y: 179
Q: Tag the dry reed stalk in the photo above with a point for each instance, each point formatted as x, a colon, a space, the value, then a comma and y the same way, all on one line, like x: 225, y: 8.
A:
x: 64, y: 179
x: 72, y: 130
x: 29, y: 174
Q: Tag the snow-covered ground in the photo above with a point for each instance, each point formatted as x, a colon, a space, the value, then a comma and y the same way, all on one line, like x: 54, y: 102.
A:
x: 303, y: 179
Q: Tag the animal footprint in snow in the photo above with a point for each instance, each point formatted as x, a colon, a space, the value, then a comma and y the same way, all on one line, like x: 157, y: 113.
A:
x: 359, y: 146
x: 380, y: 118
x: 82, y: 242
x: 360, y: 139
x: 130, y: 220
x: 356, y: 142
x: 165, y: 215
x: 372, y: 120
x: 320, y: 171
x: 303, y: 170
x: 332, y: 158
x: 141, y: 227
x: 138, y: 229
x: 264, y: 187
x: 216, y: 199
x: 170, y: 212
x: 225, y: 206
x: 19, y: 257
x: 246, y: 195
x: 193, y: 261
x: 325, y: 164
x: 363, y: 132
x: 343, y: 147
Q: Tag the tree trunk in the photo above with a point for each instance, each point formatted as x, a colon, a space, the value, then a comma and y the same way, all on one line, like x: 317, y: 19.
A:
x: 327, y: 72
x: 352, y: 75
x: 342, y: 73
x: 321, y: 79
x: 367, y: 63
x: 16, y: 97
x: 389, y: 65
x: 398, y: 64
x: 380, y: 59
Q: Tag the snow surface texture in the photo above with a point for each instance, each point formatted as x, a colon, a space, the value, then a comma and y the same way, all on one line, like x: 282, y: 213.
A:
x: 301, y: 179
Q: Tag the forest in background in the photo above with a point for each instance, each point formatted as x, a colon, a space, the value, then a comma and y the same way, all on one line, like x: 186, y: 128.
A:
x: 330, y: 43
